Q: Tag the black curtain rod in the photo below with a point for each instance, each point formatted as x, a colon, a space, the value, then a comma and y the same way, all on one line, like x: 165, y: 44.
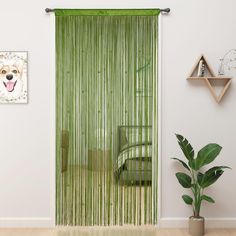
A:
x: 166, y: 10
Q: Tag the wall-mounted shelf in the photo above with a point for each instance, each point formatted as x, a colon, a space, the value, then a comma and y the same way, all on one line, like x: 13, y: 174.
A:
x: 209, y: 77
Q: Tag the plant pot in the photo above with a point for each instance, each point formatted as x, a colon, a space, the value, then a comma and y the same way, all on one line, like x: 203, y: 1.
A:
x: 196, y: 226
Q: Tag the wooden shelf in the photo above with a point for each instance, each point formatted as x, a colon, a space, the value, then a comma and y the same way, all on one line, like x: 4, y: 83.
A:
x: 210, y: 78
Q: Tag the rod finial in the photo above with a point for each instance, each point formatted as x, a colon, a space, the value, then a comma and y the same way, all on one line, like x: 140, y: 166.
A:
x: 166, y: 10
x: 48, y: 10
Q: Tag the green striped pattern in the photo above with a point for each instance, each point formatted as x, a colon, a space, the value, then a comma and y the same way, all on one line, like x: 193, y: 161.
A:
x: 106, y: 77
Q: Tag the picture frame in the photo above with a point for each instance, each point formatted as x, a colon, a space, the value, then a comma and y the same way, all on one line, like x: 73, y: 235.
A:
x: 13, y: 77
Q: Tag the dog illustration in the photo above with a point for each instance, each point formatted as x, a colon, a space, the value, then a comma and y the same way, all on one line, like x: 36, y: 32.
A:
x: 11, y: 84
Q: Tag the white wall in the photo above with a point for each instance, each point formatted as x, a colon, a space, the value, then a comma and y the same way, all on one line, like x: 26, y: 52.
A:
x: 26, y: 131
x: 25, y: 197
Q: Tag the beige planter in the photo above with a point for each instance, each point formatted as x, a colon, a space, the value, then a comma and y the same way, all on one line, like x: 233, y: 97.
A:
x: 196, y: 226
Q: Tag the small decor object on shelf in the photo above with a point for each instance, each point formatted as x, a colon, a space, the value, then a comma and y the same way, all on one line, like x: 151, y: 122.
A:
x: 197, y: 180
x: 221, y: 68
x: 201, y: 68
x: 13, y: 77
x: 202, y: 71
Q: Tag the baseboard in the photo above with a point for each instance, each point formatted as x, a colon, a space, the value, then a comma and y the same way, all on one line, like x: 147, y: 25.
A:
x: 210, y: 222
x: 22, y: 222
x: 45, y: 222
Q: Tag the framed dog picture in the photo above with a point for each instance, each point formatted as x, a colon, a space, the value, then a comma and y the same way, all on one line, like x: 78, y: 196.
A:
x: 13, y: 77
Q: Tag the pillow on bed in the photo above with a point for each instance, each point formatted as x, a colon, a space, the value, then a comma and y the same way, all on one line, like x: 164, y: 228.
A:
x: 139, y: 136
x: 135, y: 144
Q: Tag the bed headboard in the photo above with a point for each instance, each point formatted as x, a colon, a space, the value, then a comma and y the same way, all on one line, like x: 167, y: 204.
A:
x: 129, y: 135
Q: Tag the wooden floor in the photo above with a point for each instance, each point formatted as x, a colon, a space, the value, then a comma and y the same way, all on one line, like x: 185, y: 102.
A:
x: 110, y: 231
x: 135, y: 200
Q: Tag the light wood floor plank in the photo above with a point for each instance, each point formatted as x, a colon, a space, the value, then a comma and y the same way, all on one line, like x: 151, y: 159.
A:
x: 110, y: 231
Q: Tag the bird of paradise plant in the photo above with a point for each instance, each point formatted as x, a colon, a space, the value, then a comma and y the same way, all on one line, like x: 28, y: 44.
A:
x: 196, y: 180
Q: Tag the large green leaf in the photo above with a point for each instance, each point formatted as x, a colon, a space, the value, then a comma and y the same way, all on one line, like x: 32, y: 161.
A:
x: 207, y: 198
x: 209, y: 179
x: 207, y: 154
x: 187, y: 199
x: 185, y: 147
x: 184, y: 179
x: 192, y: 164
x: 199, y: 178
x: 210, y: 176
x: 215, y: 168
x: 182, y: 162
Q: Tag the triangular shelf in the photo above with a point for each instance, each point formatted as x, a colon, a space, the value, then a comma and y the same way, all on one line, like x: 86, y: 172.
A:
x: 209, y: 77
x: 227, y: 82
x: 208, y: 72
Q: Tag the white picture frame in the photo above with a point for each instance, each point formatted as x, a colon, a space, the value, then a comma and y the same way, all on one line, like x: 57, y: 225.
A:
x: 13, y: 77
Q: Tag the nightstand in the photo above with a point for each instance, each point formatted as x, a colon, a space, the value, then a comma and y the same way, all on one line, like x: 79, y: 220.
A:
x: 99, y: 160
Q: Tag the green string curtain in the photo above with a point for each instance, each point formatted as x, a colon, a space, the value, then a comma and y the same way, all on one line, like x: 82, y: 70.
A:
x: 106, y: 117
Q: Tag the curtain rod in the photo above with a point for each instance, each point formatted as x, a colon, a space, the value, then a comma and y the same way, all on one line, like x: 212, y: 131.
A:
x: 165, y: 10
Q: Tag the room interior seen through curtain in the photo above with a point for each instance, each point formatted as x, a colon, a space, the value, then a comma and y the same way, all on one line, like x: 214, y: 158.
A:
x: 106, y: 170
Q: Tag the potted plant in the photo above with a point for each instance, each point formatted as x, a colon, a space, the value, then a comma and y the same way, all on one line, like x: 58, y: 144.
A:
x: 196, y: 180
